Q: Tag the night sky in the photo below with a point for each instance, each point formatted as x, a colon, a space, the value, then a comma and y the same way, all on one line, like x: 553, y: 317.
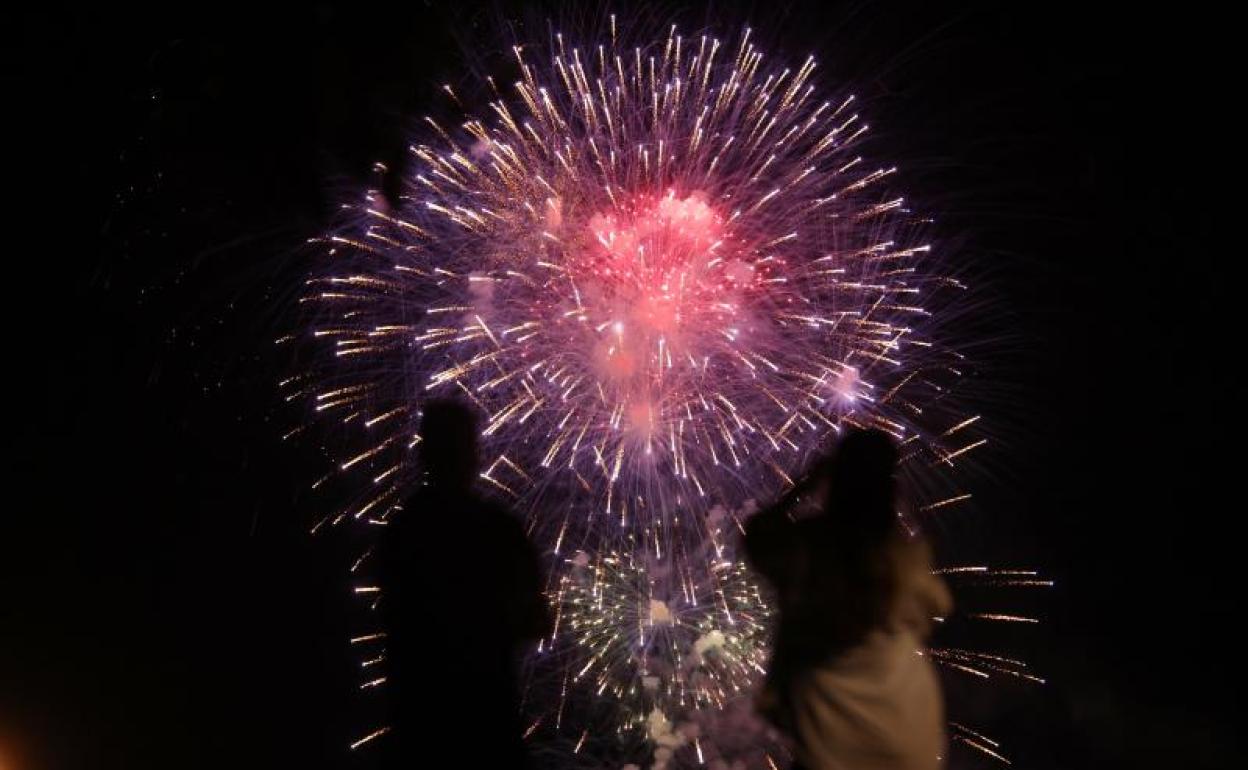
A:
x: 161, y: 604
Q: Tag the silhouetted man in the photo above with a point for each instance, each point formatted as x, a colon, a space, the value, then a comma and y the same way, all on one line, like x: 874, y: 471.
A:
x: 461, y: 591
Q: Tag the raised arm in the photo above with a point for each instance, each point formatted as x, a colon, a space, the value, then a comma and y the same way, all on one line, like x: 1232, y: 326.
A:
x: 771, y: 537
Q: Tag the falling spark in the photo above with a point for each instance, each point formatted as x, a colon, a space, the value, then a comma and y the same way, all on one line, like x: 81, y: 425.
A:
x: 374, y: 734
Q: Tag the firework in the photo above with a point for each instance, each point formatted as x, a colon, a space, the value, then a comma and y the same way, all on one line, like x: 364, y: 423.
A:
x: 691, y: 649
x: 667, y: 277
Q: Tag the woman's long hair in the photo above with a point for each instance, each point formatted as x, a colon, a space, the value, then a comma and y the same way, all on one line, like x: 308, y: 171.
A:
x: 848, y: 583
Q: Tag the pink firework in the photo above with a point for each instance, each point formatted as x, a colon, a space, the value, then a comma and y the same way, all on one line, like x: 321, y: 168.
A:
x: 667, y: 277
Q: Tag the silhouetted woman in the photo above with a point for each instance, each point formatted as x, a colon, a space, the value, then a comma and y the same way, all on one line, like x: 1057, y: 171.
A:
x: 848, y: 682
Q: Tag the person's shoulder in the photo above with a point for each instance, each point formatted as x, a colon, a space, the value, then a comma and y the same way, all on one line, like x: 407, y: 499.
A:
x: 912, y: 549
x: 488, y: 506
x: 914, y: 542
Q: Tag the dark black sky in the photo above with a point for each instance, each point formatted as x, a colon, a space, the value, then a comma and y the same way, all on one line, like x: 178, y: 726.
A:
x: 160, y: 605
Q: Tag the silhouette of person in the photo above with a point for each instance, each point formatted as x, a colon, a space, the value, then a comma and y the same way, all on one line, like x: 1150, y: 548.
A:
x: 847, y: 681
x: 461, y: 590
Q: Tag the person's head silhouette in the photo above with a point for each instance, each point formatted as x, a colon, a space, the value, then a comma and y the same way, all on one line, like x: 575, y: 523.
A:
x: 448, y: 446
x: 861, y: 488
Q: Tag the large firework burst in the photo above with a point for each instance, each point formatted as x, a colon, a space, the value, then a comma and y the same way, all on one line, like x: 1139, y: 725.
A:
x: 666, y: 276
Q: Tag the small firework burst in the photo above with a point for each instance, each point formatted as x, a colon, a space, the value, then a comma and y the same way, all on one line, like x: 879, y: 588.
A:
x: 697, y: 647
